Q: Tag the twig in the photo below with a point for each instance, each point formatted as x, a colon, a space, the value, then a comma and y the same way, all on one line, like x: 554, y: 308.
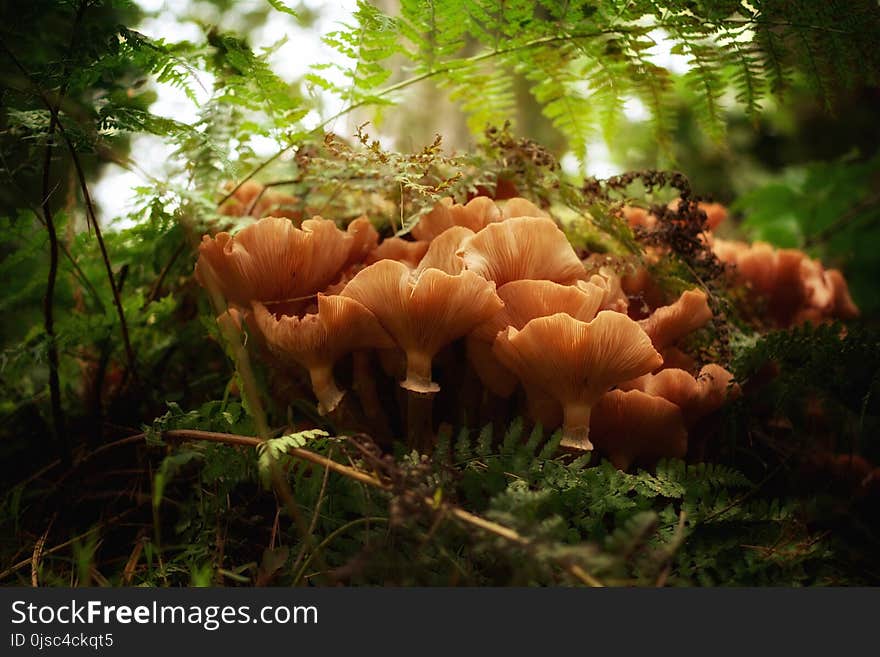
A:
x: 353, y: 473
x: 61, y: 546
x: 37, y: 553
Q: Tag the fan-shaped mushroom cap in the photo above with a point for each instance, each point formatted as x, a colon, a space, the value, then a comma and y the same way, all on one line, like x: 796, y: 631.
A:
x: 615, y: 297
x: 844, y: 306
x: 397, y: 248
x: 635, y: 426
x: 520, y: 207
x: 274, y: 262
x: 476, y: 214
x: 576, y: 362
x: 442, y: 254
x: 520, y: 248
x: 667, y: 325
x: 696, y: 397
x: 524, y: 301
x: 423, y: 312
x: 317, y: 341
x: 365, y: 239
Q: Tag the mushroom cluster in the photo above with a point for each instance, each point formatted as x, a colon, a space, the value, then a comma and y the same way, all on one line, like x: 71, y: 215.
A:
x: 794, y: 287
x: 491, y: 291
x: 790, y: 287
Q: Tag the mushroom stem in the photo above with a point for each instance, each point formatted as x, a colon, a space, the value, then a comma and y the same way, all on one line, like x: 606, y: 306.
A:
x: 419, y: 420
x: 576, y: 426
x: 365, y: 386
x: 325, y: 388
x: 418, y: 373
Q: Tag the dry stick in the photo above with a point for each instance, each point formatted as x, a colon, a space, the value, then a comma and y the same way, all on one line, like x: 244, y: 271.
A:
x: 37, y: 553
x: 353, y: 473
x: 61, y: 546
x: 90, y: 209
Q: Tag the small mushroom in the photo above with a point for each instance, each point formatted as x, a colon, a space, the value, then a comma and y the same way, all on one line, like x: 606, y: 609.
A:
x: 634, y: 427
x: 399, y: 249
x: 442, y: 254
x: 423, y: 312
x: 576, y: 362
x: 524, y: 301
x: 520, y: 207
x: 696, y: 397
x: 317, y: 341
x: 476, y: 215
x: 522, y: 248
x: 668, y: 324
x: 274, y: 262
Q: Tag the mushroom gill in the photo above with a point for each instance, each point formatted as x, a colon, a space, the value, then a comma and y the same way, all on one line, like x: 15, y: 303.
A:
x: 316, y: 341
x: 423, y: 312
x: 274, y: 262
x: 524, y: 301
x: 576, y: 362
x: 522, y: 248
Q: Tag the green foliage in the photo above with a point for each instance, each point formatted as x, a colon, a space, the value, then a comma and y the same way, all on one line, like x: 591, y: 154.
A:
x: 583, y: 60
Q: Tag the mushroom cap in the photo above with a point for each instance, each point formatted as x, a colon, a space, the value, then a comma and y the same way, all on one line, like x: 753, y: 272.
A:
x: 520, y: 248
x: 635, y: 426
x: 423, y: 312
x: 399, y: 249
x: 340, y: 325
x: 274, y: 262
x: 476, y: 215
x: 574, y: 360
x: 442, y: 253
x: 316, y: 341
x: 844, y: 306
x: 520, y: 207
x: 696, y: 397
x: 616, y: 298
x: 669, y: 324
x: 524, y: 301
x: 365, y: 239
x: 638, y: 217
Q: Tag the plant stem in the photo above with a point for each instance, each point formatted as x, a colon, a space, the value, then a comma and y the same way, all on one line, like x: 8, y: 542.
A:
x: 90, y: 209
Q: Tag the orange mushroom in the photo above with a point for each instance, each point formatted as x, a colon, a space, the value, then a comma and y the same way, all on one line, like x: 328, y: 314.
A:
x: 524, y: 301
x: 576, y: 362
x: 634, y: 426
x: 423, y: 312
x: 476, y: 214
x: 696, y: 397
x: 399, y: 249
x: 317, y: 341
x: 442, y: 254
x: 520, y: 207
x: 274, y: 262
x: 521, y: 248
x: 667, y: 325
